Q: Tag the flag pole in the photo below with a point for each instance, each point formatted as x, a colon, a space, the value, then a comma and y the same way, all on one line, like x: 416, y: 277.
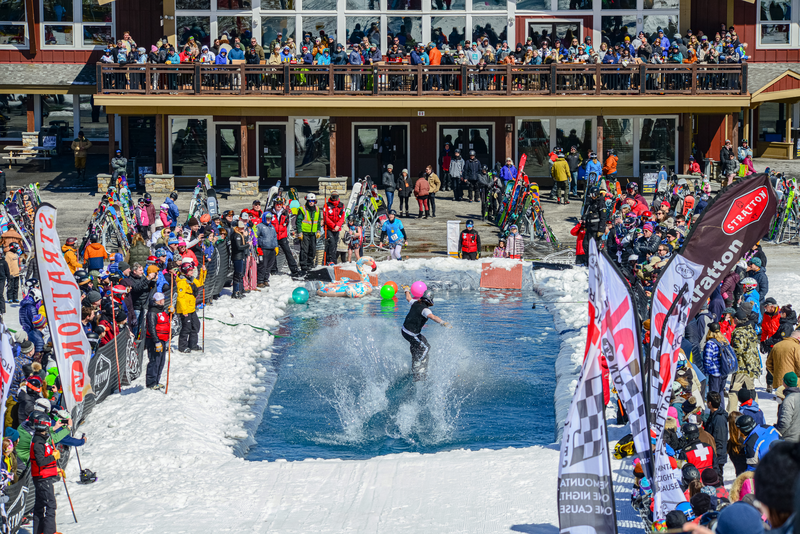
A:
x: 116, y: 348
x: 169, y: 341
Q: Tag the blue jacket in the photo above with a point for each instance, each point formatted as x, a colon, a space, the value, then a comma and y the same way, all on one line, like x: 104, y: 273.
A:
x: 755, y: 298
x: 173, y: 213
x: 236, y: 53
x: 267, y: 236
x: 394, y: 230
x: 594, y: 167
x: 27, y: 309
x: 757, y: 444
x: 355, y: 58
x: 508, y: 174
x: 415, y: 58
x: 755, y: 412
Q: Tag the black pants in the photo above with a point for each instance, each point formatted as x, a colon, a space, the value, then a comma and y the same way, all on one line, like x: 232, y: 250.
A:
x: 12, y: 293
x: 2, y: 292
x: 432, y: 203
x: 419, y: 354
x: 266, y: 265
x: 331, y: 240
x: 481, y: 192
x: 238, y: 275
x: 287, y: 252
x: 446, y: 181
x: 190, y: 326
x: 717, y: 383
x: 155, y: 362
x: 472, y: 187
x: 469, y: 255
x: 403, y: 202
x: 44, y: 509
x: 308, y: 250
x: 458, y: 188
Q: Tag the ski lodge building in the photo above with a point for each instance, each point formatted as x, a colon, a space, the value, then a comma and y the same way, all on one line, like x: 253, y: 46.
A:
x: 263, y: 122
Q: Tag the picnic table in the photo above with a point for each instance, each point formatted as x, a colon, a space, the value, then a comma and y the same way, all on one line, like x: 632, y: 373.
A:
x: 27, y: 153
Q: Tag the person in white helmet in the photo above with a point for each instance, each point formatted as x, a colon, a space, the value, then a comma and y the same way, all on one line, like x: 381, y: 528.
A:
x: 308, y: 230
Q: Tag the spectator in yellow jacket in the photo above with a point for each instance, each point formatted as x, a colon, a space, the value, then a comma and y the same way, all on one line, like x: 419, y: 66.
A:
x: 561, y: 174
x: 186, y: 307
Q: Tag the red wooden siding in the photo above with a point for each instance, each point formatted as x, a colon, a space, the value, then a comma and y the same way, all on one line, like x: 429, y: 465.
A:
x: 707, y: 15
x: 141, y: 18
x: 744, y: 19
x: 50, y: 56
x: 787, y: 83
x: 711, y: 135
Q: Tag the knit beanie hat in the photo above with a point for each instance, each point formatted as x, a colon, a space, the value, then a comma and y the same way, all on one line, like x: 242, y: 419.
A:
x: 790, y: 379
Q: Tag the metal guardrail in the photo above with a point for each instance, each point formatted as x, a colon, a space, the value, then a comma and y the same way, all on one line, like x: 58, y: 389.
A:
x: 419, y: 80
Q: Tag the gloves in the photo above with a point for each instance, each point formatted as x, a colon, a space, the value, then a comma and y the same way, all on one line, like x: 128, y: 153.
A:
x: 300, y: 236
x: 479, y: 255
x: 62, y: 473
x: 159, y: 347
x: 459, y: 255
x: 446, y: 324
x: 319, y: 234
x: 56, y: 454
x: 276, y: 251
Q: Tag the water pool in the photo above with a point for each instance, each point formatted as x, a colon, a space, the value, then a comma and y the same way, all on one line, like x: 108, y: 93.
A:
x: 344, y: 386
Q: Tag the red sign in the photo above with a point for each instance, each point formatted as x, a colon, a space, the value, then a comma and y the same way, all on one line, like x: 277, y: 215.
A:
x: 745, y: 210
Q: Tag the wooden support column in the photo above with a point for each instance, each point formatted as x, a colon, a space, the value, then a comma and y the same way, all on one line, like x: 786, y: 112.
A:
x: 242, y: 150
x: 112, y: 135
x: 509, y: 137
x: 333, y: 147
x: 746, y: 126
x: 160, y: 159
x: 31, y: 114
x: 685, y: 138
x: 734, y: 125
x: 600, y: 155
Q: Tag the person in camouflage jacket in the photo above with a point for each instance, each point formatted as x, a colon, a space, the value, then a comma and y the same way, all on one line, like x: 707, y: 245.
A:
x: 745, y: 343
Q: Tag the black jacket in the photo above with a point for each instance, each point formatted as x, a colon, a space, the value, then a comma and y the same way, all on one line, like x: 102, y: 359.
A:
x: 5, y: 274
x: 152, y: 320
x: 140, y: 290
x: 785, y: 328
x: 26, y: 403
x: 717, y: 426
x: 472, y: 168
x: 238, y: 247
x: 389, y: 182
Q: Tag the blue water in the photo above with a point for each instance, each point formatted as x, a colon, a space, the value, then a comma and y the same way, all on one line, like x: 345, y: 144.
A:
x: 344, y: 386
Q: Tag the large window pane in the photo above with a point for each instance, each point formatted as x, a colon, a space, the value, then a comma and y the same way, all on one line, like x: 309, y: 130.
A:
x: 315, y: 25
x: 240, y: 27
x: 771, y: 122
x: 662, y: 4
x: 567, y: 5
x: 619, y: 4
x: 233, y: 4
x: 11, y: 34
x: 616, y: 28
x: 448, y: 30
x: 668, y: 23
x: 57, y: 35
x: 776, y: 10
x: 359, y: 27
x: 362, y: 5
x: 533, y: 139
x: 618, y: 134
x: 13, y: 116
x: 197, y: 27
x: 189, y: 142
x: 94, y: 12
x: 565, y: 31
x: 489, y: 5
x: 574, y: 132
x: 404, y: 5
x: 657, y: 142
x: 312, y: 147
x: 492, y: 27
x: 277, y: 4
x: 533, y: 5
x: 319, y: 5
x: 97, y: 35
x: 270, y: 26
x: 774, y: 34
x: 94, y: 122
x: 193, y: 4
x: 448, y: 5
x: 12, y: 10
x: 407, y: 29
x: 58, y: 10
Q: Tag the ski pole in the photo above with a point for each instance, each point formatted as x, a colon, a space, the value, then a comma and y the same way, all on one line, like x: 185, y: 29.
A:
x: 169, y: 341
x: 204, y: 305
x: 79, y: 457
x: 64, y: 480
x: 116, y: 349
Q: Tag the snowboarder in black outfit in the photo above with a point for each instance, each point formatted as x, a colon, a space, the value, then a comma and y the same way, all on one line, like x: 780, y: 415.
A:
x: 417, y: 316
x: 44, y: 468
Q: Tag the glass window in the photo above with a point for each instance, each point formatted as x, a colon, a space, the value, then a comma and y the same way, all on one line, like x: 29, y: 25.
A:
x: 94, y: 12
x: 448, y: 31
x: 448, y: 5
x: 404, y: 5
x: 189, y: 142
x: 193, y: 4
x: 277, y: 4
x: 357, y: 28
x: 407, y: 29
x: 552, y: 31
x: 197, y: 27
x: 319, y: 5
x: 668, y: 23
x: 13, y: 116
x: 312, y: 147
x: 97, y: 35
x: 533, y: 5
x: 618, y: 134
x: 240, y: 27
x: 657, y: 142
x: 270, y: 26
x: 57, y: 35
x: 362, y: 5
x: 489, y: 5
x: 574, y: 132
x: 12, y: 34
x: 58, y: 10
x: 94, y: 122
x: 771, y: 122
x: 495, y: 28
x: 773, y: 34
x: 772, y: 10
x: 315, y: 25
x: 567, y: 5
x: 617, y: 27
x: 233, y: 4
x: 619, y: 4
x: 12, y: 10
x: 533, y: 139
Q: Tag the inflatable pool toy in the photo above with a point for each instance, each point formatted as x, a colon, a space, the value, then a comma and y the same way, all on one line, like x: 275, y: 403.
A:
x: 348, y: 288
x: 387, y: 291
x: 418, y: 289
x: 300, y: 295
x: 394, y: 285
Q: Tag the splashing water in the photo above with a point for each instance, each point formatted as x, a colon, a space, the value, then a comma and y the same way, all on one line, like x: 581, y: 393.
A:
x: 350, y: 392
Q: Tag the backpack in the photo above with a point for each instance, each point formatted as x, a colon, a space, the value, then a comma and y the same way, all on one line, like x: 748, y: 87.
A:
x: 728, y: 362
x: 624, y: 447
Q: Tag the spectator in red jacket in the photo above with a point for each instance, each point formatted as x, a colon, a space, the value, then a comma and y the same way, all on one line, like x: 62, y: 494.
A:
x: 281, y: 221
x: 333, y: 215
x: 579, y: 231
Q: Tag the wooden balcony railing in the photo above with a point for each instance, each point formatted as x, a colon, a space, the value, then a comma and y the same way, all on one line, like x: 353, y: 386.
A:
x: 418, y: 80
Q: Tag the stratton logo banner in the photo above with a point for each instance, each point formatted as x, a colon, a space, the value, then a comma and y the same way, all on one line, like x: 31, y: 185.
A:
x: 746, y: 210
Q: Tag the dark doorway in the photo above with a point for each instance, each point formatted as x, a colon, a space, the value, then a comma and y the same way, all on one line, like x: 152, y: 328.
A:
x: 378, y: 146
x: 271, y: 155
x: 477, y: 138
x: 228, y: 153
